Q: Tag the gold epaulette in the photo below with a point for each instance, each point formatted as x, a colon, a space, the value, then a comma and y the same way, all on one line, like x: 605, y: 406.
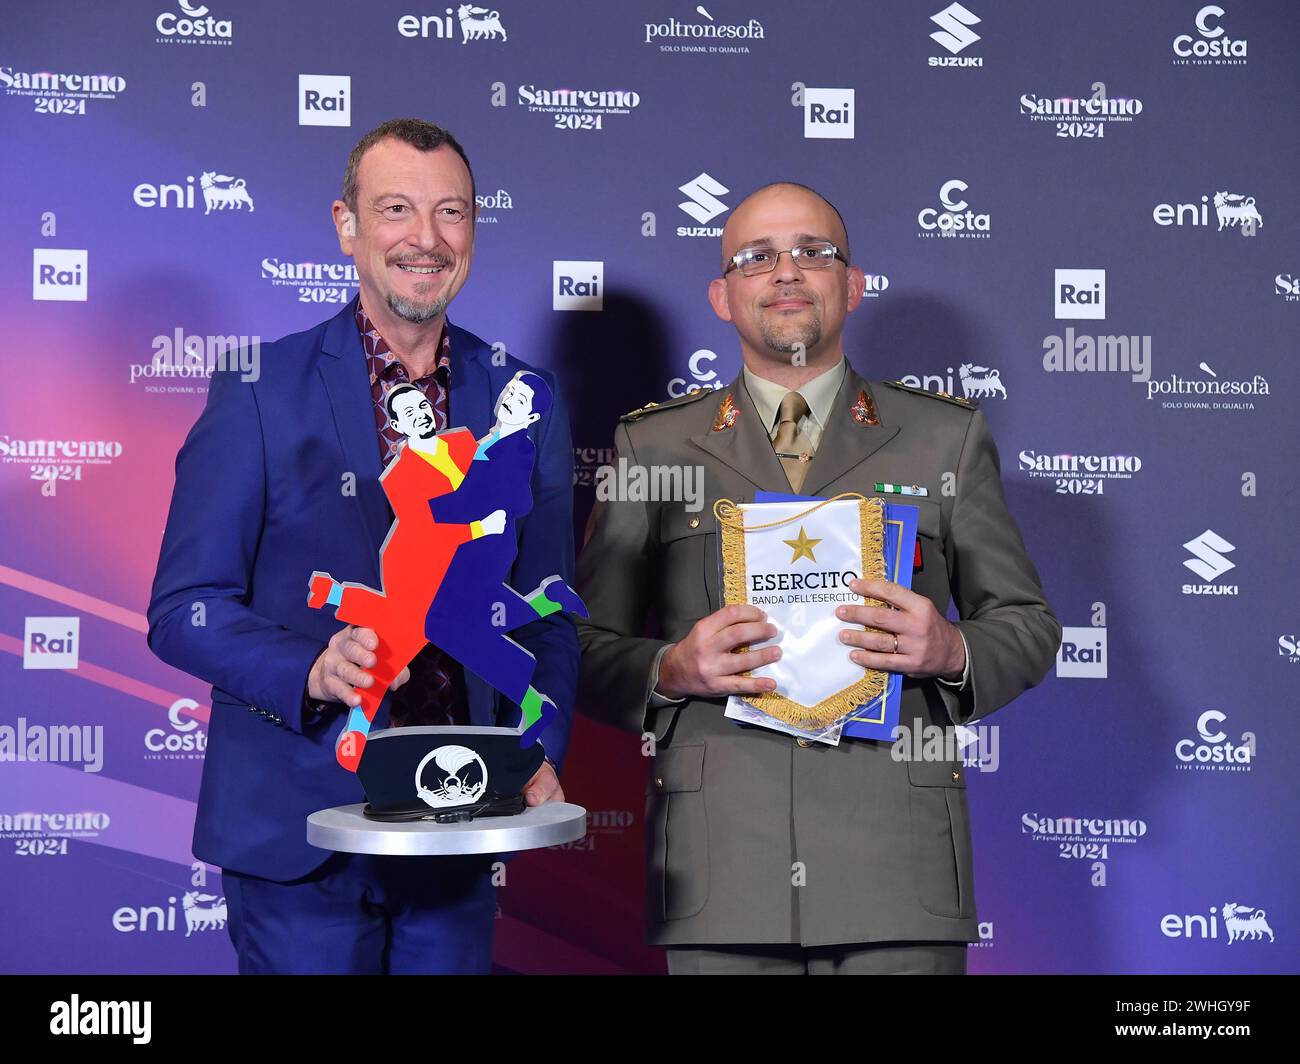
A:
x: 667, y: 404
x: 956, y: 400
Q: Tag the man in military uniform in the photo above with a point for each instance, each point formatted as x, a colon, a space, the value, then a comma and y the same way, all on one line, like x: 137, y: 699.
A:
x: 767, y: 853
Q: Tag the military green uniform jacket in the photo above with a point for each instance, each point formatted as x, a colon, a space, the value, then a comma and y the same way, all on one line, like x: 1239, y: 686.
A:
x: 752, y: 837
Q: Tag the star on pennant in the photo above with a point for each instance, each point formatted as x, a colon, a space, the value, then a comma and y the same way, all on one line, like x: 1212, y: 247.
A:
x: 803, y: 546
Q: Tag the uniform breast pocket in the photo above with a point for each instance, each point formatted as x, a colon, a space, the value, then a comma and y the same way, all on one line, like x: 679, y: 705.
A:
x: 934, y: 566
x: 942, y: 868
x: 929, y: 519
x: 688, y: 544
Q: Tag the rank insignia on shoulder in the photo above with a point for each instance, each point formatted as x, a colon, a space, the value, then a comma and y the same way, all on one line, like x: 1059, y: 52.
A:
x: 864, y: 410
x: 727, y: 414
x: 956, y: 400
x: 681, y: 400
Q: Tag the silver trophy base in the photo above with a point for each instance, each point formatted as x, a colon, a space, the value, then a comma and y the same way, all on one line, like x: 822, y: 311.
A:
x: 346, y: 829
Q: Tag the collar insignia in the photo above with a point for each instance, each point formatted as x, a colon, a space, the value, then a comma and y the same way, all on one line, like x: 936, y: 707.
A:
x: 864, y: 410
x: 727, y: 414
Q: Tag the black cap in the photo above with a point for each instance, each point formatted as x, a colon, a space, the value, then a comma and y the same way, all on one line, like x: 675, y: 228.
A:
x: 446, y: 773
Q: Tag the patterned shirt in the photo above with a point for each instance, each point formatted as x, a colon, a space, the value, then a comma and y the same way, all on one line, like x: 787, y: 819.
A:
x: 387, y: 372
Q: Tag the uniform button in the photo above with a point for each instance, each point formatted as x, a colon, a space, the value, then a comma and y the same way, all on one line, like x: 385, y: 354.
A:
x: 694, y: 522
x: 802, y: 742
x: 659, y: 781
x: 956, y: 776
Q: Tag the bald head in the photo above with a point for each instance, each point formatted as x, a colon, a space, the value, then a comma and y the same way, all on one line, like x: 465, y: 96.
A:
x: 765, y: 214
x: 789, y: 317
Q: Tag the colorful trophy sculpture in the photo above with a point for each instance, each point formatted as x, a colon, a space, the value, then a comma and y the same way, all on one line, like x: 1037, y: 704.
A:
x: 445, y: 560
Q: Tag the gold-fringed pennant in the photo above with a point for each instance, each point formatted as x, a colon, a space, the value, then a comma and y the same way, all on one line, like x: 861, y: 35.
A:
x: 871, y: 521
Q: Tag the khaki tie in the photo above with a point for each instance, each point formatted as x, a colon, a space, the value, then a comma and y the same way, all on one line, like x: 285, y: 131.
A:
x: 792, y: 446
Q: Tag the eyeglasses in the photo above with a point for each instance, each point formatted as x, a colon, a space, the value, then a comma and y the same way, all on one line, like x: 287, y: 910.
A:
x: 753, y: 261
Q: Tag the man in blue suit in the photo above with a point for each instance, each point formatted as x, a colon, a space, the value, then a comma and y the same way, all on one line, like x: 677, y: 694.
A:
x: 280, y: 477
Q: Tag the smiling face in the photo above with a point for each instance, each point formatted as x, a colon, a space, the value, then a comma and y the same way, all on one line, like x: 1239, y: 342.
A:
x: 412, y: 235
x: 413, y: 416
x: 774, y: 312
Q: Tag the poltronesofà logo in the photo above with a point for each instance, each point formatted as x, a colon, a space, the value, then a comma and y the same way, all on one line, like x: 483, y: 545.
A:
x: 705, y: 37
x: 186, y: 358
x: 491, y: 204
x: 1208, y: 393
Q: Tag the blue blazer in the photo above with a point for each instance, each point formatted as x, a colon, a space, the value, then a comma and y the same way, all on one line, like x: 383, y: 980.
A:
x: 277, y: 478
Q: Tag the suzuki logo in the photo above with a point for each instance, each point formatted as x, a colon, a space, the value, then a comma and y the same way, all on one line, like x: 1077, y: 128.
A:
x: 703, y: 204
x: 1209, y: 548
x: 954, y: 23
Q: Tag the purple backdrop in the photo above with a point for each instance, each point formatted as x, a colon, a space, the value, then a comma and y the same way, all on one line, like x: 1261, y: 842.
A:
x: 1022, y: 180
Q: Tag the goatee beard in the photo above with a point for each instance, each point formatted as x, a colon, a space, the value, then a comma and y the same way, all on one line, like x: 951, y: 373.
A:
x: 808, y: 334
x: 416, y: 313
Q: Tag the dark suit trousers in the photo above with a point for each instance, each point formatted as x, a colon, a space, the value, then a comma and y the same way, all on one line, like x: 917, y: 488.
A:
x: 366, y: 915
x: 884, y: 958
